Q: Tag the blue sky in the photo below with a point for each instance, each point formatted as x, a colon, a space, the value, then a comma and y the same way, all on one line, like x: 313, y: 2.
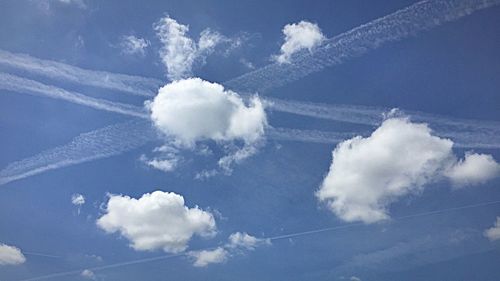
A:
x: 414, y: 197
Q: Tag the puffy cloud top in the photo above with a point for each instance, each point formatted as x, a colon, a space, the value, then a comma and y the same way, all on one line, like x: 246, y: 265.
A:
x: 399, y: 158
x: 193, y: 109
x: 157, y: 220
x: 298, y: 36
x: 10, y: 255
x: 474, y: 169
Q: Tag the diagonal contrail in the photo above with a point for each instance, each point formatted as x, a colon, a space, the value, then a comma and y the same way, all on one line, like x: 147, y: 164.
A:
x: 373, y: 116
x: 105, y: 142
x: 22, y: 85
x: 401, y: 24
x: 134, y: 85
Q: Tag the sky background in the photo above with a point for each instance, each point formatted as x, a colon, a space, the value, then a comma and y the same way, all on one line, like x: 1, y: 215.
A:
x: 450, y: 70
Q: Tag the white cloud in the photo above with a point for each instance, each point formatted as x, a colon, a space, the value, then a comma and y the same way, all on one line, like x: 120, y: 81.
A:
x: 192, y: 110
x: 157, y: 220
x: 399, y: 158
x: 354, y: 278
x: 206, y: 257
x: 165, y: 165
x: 237, y: 242
x: 246, y: 241
x: 474, y: 169
x: 493, y: 233
x: 166, y: 161
x: 179, y: 52
x: 77, y: 199
x: 131, y: 45
x: 88, y: 274
x: 10, y: 255
x: 299, y: 36
x: 79, y: 3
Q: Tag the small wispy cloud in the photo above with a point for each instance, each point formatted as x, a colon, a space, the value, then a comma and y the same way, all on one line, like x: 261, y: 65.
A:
x: 180, y: 53
x: 493, y: 233
x: 237, y: 243
x: 132, y: 45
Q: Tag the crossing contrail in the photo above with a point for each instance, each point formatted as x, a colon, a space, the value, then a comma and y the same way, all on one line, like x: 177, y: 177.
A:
x: 116, y: 139
x: 272, y: 238
x: 26, y: 86
x: 105, y: 142
x: 134, y: 85
x: 374, y: 116
x: 401, y: 24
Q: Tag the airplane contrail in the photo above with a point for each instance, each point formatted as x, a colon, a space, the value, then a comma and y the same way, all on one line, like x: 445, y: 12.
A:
x: 489, y: 131
x: 105, y: 142
x: 272, y: 238
x: 401, y: 24
x: 396, y: 26
x: 22, y: 85
x: 116, y: 139
x: 374, y: 116
x: 134, y: 85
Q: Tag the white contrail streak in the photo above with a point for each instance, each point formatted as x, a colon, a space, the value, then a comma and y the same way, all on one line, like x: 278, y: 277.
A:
x: 273, y: 238
x: 285, y: 134
x: 488, y: 131
x: 26, y: 86
x: 401, y: 24
x: 101, y: 143
x: 135, y: 85
x: 460, y: 140
x: 116, y: 139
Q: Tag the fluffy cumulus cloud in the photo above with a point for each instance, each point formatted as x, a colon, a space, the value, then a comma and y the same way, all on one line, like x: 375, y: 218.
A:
x: 10, y: 255
x: 474, y: 169
x: 131, y: 45
x: 192, y: 110
x: 237, y: 243
x: 158, y: 220
x: 399, y: 158
x: 299, y: 36
x: 180, y: 52
x: 493, y: 233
